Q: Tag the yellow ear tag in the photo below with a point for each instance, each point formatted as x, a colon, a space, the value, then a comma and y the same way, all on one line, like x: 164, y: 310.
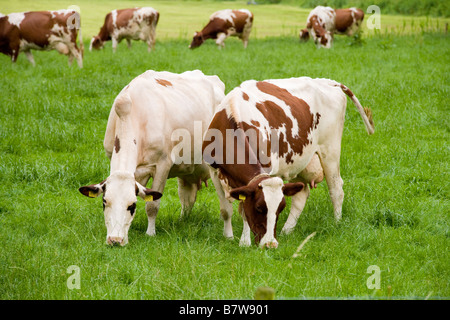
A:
x: 241, y: 197
x: 148, y: 198
x: 92, y: 194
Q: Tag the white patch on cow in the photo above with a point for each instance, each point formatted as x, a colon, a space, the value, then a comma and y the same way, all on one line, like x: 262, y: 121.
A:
x: 16, y: 18
x: 273, y: 195
x: 62, y: 11
x: 226, y: 15
x: 114, y: 18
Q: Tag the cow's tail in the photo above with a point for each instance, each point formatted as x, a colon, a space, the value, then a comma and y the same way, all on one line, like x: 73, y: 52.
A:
x: 80, y: 38
x: 366, y: 113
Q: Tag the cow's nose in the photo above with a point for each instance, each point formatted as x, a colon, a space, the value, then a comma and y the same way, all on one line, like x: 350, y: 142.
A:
x: 112, y: 241
x: 272, y: 244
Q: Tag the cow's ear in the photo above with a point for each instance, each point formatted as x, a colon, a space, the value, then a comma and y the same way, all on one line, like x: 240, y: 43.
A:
x: 93, y: 190
x: 147, y: 194
x: 290, y: 189
x: 242, y: 193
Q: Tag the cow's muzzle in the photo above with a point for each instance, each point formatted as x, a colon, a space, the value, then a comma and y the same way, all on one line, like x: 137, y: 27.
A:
x: 113, y: 241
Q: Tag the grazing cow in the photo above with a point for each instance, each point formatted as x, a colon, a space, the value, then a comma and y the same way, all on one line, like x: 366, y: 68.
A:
x: 138, y: 141
x: 41, y: 30
x: 288, y: 129
x: 223, y: 24
x: 129, y: 24
x: 324, y: 22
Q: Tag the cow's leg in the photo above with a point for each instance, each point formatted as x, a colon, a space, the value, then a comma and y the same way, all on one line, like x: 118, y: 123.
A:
x: 226, y: 208
x: 151, y: 41
x: 297, y: 206
x: 30, y: 57
x: 75, y: 52
x: 221, y: 40
x: 245, y: 237
x: 330, y: 164
x: 246, y: 35
x: 187, y: 192
x: 129, y: 43
x: 114, y: 44
x: 152, y: 207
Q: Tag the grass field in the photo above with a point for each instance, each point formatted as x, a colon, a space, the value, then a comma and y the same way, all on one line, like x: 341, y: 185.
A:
x: 396, y: 182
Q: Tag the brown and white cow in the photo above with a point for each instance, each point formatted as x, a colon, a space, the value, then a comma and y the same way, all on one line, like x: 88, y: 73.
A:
x: 268, y: 131
x: 225, y: 23
x: 129, y: 24
x: 139, y: 142
x: 324, y: 22
x: 41, y: 30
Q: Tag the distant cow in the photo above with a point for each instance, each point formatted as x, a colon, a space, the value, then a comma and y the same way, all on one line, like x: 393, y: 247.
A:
x: 41, y: 30
x: 129, y: 24
x: 138, y: 140
x: 324, y: 22
x: 223, y: 24
x: 275, y: 130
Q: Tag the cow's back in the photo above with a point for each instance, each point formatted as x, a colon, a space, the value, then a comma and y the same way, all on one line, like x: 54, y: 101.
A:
x: 299, y: 110
x: 163, y: 102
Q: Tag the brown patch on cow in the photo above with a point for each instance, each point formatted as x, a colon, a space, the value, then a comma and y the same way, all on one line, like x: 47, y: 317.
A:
x: 33, y: 26
x: 347, y: 91
x: 316, y: 122
x: 117, y: 144
x: 123, y: 17
x: 245, y: 96
x: 344, y: 19
x: 164, y: 83
x: 277, y: 118
x: 234, y: 175
x: 241, y: 20
x: 255, y: 123
x: 134, y: 141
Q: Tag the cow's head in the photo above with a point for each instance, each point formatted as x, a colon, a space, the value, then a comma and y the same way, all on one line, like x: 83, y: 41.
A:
x: 197, y: 40
x: 262, y: 201
x: 96, y: 43
x: 120, y: 193
x: 324, y: 39
x: 304, y: 35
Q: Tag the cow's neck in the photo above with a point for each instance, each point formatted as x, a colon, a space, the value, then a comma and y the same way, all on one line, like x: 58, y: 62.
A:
x: 210, y: 31
x: 124, y: 155
x: 239, y: 175
x: 104, y: 34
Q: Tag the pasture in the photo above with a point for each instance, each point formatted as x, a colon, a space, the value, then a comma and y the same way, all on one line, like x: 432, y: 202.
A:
x: 396, y: 182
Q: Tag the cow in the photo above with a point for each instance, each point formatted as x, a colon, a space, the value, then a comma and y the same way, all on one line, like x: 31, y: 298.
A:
x: 285, y: 130
x: 324, y: 22
x: 41, y: 30
x: 139, y: 143
x: 225, y: 23
x: 129, y: 24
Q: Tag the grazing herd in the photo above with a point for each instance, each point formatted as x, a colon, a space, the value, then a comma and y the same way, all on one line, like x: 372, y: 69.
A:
x: 47, y: 30
x: 262, y: 142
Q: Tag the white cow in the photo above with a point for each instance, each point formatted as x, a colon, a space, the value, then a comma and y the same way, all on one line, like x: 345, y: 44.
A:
x: 139, y: 142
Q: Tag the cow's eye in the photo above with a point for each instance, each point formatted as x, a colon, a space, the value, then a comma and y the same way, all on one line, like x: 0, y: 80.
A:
x: 104, y: 203
x: 132, y: 208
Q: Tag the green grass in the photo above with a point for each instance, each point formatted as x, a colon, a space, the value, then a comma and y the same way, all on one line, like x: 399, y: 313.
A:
x: 396, y: 206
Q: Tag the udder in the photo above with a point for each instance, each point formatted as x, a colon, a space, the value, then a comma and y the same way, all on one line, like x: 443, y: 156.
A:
x: 313, y: 173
